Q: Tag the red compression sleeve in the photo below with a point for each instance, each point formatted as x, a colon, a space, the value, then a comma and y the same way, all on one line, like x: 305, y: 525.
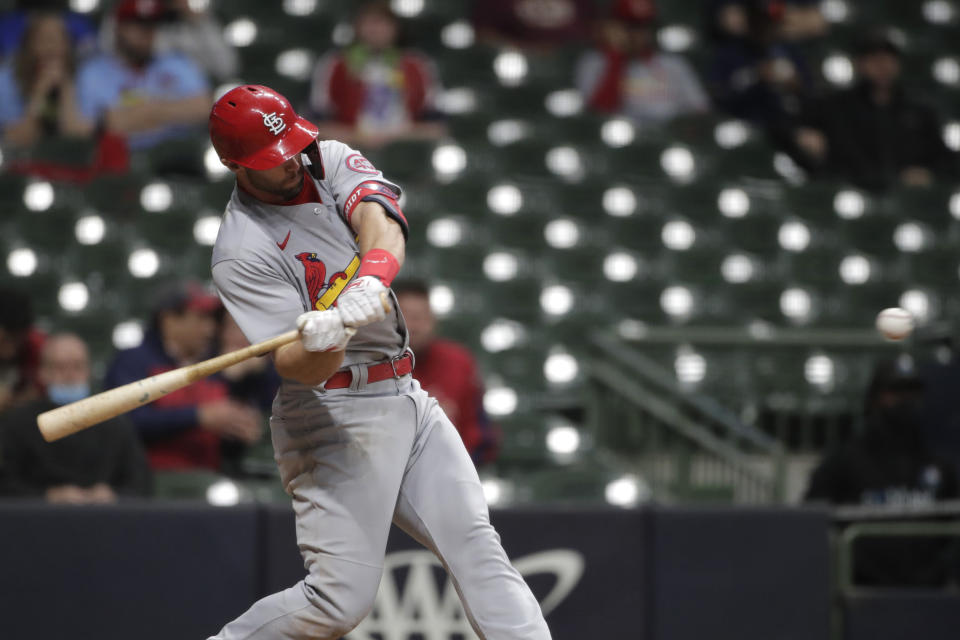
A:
x: 381, y: 264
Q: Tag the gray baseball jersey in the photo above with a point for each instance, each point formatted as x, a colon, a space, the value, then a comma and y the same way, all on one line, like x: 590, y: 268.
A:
x: 356, y: 459
x: 271, y: 263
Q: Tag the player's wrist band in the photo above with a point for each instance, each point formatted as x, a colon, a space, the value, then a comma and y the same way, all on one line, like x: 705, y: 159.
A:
x: 381, y: 264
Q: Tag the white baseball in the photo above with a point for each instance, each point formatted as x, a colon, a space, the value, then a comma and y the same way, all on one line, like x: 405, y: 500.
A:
x: 894, y: 323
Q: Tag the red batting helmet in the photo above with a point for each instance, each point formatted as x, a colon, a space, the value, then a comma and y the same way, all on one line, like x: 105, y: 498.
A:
x: 257, y: 128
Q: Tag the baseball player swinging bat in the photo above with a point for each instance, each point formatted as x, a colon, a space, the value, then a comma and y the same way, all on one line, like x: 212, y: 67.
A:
x: 312, y: 222
x: 70, y: 418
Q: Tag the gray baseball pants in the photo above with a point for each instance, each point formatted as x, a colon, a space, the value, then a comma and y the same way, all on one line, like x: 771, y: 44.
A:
x: 355, y: 461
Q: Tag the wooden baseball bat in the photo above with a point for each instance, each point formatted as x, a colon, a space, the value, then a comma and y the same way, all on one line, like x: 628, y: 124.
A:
x: 76, y: 416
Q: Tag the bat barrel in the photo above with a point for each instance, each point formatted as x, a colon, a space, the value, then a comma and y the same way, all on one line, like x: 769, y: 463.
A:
x: 76, y: 416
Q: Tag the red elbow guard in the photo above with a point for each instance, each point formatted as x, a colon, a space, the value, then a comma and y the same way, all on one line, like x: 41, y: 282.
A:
x: 382, y: 195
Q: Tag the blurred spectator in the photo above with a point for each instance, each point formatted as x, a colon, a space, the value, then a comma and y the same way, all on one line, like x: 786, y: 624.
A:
x: 20, y: 345
x: 37, y: 92
x: 93, y: 466
x: 875, y: 134
x: 253, y: 382
x: 148, y: 97
x: 183, y: 430
x: 185, y: 29
x: 801, y: 19
x: 374, y: 92
x: 448, y: 372
x: 756, y: 75
x: 888, y: 464
x: 630, y: 76
x: 941, y: 405
x: 13, y: 25
x: 533, y: 23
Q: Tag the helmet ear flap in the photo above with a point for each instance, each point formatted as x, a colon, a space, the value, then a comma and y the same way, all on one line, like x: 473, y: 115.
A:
x: 312, y: 160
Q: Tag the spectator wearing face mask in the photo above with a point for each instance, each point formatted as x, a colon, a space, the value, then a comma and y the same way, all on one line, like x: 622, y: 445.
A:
x: 888, y: 465
x: 93, y: 466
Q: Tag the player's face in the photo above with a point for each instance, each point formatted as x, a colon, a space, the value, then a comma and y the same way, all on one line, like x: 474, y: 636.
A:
x: 283, y: 182
x: 419, y: 318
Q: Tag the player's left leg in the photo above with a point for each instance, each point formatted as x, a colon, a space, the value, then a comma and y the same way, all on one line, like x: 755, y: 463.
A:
x: 441, y: 505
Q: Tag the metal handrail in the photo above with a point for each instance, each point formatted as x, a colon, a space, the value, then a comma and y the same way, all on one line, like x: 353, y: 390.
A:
x: 651, y: 390
x: 644, y: 367
x: 644, y: 399
x: 765, y: 335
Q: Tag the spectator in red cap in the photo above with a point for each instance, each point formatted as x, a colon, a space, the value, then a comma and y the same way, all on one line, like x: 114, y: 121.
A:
x: 146, y: 96
x: 184, y: 429
x: 539, y: 24
x: 628, y: 75
x: 190, y: 29
x: 374, y: 92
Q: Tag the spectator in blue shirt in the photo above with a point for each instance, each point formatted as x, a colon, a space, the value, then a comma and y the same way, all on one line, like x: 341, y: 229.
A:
x: 186, y: 428
x: 37, y: 93
x: 134, y: 92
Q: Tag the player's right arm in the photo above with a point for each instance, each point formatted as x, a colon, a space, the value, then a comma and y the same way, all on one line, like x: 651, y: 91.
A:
x: 311, y: 368
x: 265, y: 305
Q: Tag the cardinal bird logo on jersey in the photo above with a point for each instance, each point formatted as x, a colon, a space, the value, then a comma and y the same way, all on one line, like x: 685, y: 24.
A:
x: 323, y: 292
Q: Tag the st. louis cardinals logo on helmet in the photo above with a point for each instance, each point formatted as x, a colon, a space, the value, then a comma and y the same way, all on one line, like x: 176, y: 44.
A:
x: 274, y: 123
x: 323, y: 292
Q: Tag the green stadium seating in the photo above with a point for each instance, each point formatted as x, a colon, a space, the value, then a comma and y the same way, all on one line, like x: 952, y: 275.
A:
x: 116, y: 295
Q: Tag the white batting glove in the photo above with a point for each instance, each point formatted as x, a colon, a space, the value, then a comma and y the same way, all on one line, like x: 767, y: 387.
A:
x: 323, y: 331
x: 361, y: 303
